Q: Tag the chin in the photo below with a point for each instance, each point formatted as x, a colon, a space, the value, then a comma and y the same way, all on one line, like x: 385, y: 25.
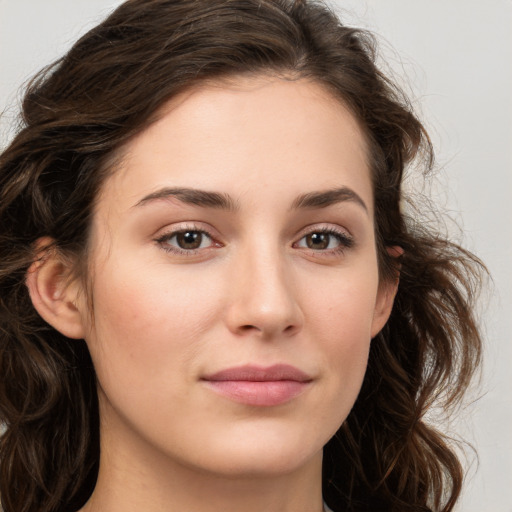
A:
x: 261, y: 466
x: 261, y: 453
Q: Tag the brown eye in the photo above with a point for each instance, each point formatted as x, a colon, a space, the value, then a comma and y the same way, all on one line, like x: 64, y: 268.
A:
x: 325, y: 241
x: 318, y: 240
x: 186, y: 240
x: 189, y: 239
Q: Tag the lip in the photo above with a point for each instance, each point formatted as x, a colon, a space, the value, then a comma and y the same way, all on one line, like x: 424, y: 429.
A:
x: 259, y: 386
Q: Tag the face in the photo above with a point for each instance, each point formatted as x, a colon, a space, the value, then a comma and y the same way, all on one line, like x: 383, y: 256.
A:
x: 235, y: 283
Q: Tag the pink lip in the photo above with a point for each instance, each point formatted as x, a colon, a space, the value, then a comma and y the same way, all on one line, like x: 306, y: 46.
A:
x: 256, y: 385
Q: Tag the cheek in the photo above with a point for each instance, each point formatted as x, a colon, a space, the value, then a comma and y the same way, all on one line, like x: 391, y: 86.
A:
x: 340, y: 321
x: 146, y: 322
x: 343, y: 305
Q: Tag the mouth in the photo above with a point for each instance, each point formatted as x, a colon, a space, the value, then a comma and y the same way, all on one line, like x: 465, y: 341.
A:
x: 259, y: 386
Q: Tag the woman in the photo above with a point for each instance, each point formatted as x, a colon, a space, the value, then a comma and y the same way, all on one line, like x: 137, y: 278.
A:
x: 212, y: 298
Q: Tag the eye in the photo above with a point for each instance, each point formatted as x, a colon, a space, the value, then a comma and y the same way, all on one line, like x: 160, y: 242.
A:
x: 325, y: 240
x: 190, y: 239
x: 186, y: 241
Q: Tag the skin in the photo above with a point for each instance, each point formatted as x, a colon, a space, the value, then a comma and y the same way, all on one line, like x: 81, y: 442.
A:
x: 260, y: 289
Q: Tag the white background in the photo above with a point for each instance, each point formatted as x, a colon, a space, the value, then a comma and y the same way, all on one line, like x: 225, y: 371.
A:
x: 456, y: 56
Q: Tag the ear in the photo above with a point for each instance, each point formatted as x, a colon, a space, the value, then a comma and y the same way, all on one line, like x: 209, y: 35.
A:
x: 53, y: 296
x: 386, y: 295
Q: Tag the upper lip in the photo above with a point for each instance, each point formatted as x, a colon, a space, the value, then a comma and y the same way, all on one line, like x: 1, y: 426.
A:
x: 260, y: 374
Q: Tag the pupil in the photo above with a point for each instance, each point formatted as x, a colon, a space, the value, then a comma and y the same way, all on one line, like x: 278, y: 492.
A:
x: 318, y: 241
x: 189, y: 240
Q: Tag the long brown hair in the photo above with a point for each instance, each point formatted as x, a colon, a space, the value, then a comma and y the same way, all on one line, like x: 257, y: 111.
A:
x: 77, y: 112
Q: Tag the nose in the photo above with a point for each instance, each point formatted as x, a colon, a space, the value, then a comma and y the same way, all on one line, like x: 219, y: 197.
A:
x: 263, y: 297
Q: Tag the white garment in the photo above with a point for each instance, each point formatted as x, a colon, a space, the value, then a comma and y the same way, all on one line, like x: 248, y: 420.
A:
x: 326, y: 508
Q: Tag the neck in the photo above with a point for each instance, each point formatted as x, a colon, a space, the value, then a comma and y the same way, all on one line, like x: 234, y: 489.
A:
x: 135, y: 477
x: 132, y: 489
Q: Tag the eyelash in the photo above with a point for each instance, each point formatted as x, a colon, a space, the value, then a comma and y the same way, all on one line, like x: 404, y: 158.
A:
x: 345, y: 240
x: 163, y: 241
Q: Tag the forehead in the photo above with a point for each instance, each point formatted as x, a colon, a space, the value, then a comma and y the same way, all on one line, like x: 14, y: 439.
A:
x: 240, y: 134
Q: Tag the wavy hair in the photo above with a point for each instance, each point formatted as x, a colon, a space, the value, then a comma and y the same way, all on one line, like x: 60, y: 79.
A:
x: 79, y: 111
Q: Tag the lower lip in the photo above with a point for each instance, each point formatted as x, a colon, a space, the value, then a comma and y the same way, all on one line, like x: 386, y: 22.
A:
x: 266, y: 393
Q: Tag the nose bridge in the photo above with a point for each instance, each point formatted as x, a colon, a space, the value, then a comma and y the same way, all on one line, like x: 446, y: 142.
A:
x: 264, y: 298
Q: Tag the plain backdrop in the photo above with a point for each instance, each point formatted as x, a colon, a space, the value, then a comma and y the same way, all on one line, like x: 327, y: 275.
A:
x: 455, y: 58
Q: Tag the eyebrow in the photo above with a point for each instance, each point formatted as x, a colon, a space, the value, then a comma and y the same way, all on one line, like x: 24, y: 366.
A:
x: 221, y: 201
x: 193, y: 196
x: 326, y: 198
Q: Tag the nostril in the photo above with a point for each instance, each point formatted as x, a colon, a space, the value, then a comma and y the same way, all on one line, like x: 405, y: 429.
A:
x: 242, y: 329
x: 245, y: 328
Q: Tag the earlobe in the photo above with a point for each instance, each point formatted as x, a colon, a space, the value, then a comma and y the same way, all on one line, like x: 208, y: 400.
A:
x: 53, y: 297
x: 384, y: 305
x: 386, y: 295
